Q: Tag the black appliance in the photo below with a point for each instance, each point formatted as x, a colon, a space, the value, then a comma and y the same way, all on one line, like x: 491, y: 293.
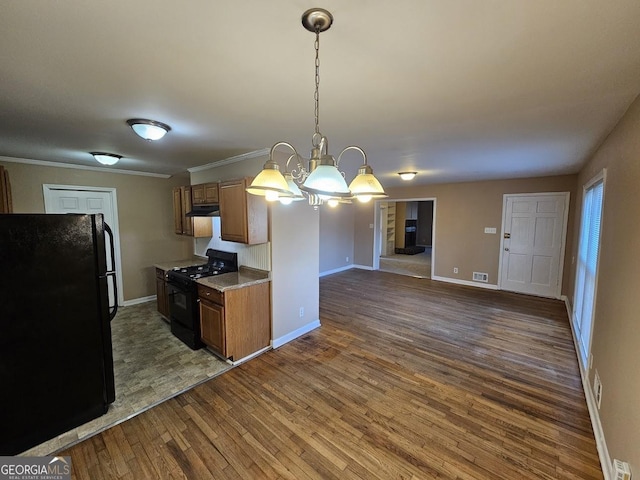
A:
x: 182, y: 289
x: 56, y: 363
x: 210, y: 210
x: 410, y: 227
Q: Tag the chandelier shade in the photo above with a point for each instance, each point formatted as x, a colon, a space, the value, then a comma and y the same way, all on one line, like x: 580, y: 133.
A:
x: 326, y: 180
x: 270, y: 183
x: 321, y: 181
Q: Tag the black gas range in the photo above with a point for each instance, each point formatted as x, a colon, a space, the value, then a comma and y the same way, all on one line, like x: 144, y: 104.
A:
x: 182, y: 288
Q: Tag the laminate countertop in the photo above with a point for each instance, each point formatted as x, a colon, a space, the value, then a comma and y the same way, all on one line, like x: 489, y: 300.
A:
x: 245, y: 277
x: 188, y: 262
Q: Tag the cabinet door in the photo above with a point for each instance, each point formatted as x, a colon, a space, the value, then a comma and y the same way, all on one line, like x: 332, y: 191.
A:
x: 163, y: 299
x: 211, y: 193
x: 187, y: 222
x: 212, y: 326
x: 233, y: 211
x: 177, y: 210
x: 198, y: 194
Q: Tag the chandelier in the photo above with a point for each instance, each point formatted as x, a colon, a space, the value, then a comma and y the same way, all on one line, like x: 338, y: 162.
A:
x: 321, y: 181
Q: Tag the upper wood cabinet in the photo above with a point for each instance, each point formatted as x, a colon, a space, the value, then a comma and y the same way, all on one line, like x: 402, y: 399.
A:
x: 6, y: 204
x: 187, y: 222
x: 243, y: 217
x: 190, y: 226
x: 177, y: 210
x: 204, y: 194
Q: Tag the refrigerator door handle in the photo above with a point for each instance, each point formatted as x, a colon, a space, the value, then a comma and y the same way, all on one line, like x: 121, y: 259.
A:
x: 111, y: 273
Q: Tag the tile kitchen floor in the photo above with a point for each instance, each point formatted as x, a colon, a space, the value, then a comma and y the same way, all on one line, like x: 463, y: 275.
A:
x: 151, y: 366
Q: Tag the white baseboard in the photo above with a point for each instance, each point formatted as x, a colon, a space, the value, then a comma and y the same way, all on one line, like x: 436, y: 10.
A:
x: 488, y: 286
x: 278, y: 342
x: 362, y: 267
x: 336, y: 270
x: 136, y: 301
x: 601, y: 444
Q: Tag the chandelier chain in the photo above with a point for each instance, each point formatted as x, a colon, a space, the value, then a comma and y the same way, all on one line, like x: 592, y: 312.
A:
x: 316, y: 95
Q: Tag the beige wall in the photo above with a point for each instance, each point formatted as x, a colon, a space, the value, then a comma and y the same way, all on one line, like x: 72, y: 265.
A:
x: 463, y: 210
x: 336, y: 237
x: 294, y: 268
x: 616, y: 328
x: 145, y: 216
x: 294, y: 243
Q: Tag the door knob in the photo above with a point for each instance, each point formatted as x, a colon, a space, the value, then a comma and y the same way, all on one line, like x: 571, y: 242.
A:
x: 506, y: 249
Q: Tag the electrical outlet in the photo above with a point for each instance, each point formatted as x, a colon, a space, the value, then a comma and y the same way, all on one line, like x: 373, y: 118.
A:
x: 346, y: 259
x: 455, y: 269
x: 301, y: 312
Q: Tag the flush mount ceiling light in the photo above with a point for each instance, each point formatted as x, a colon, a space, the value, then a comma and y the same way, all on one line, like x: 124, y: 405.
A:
x: 148, y: 129
x: 106, y: 158
x: 407, y: 175
x: 321, y: 181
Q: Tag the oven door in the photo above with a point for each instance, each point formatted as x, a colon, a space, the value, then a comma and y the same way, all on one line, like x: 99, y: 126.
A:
x: 181, y: 299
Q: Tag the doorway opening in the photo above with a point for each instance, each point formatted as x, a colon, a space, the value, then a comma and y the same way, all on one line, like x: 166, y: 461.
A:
x: 406, y: 237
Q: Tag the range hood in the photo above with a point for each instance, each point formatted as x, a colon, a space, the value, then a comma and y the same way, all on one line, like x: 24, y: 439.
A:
x: 204, y: 211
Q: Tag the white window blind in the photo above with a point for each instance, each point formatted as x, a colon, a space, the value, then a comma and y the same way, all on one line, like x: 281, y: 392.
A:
x: 588, y: 252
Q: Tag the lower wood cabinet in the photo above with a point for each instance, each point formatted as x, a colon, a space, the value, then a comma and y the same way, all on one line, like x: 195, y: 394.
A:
x: 161, y: 292
x: 237, y: 322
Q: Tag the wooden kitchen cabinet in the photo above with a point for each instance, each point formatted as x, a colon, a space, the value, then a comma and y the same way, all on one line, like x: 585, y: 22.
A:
x: 177, y: 210
x: 236, y: 323
x: 189, y: 226
x: 243, y: 217
x: 204, y: 194
x: 6, y: 203
x: 161, y: 292
x: 187, y: 222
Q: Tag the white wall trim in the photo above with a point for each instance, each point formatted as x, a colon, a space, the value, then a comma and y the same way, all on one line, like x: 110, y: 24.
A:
x: 278, y: 342
x: 362, y: 267
x: 227, y: 161
x: 598, y: 432
x: 336, y: 270
x: 45, y: 163
x: 468, y: 283
x: 136, y: 301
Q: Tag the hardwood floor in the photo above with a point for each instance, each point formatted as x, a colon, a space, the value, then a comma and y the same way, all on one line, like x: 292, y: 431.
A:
x: 406, y: 378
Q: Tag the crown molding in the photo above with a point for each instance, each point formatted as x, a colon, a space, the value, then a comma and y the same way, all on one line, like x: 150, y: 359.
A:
x: 238, y: 158
x: 45, y: 163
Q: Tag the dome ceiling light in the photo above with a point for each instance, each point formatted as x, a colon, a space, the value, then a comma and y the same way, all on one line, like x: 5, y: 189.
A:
x: 148, y: 129
x: 407, y: 175
x: 322, y: 182
x: 106, y: 158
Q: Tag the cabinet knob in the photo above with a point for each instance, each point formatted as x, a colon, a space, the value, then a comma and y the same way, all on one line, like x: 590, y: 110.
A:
x: 208, y: 293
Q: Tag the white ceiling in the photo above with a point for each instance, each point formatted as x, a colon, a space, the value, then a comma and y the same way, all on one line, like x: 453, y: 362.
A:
x: 457, y: 90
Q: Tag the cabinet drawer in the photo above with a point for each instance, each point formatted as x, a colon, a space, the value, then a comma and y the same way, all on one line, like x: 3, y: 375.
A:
x: 210, y: 294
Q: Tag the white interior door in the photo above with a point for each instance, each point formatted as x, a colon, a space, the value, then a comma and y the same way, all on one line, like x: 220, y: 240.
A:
x: 67, y: 199
x: 534, y: 231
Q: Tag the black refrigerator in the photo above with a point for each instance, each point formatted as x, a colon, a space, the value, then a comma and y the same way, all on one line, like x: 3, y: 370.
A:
x: 56, y: 362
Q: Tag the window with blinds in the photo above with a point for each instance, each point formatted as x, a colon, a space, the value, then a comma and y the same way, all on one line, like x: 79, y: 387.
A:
x: 587, y: 266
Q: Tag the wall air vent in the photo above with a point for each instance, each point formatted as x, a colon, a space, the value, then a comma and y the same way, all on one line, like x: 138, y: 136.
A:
x: 621, y: 470
x: 480, y: 277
